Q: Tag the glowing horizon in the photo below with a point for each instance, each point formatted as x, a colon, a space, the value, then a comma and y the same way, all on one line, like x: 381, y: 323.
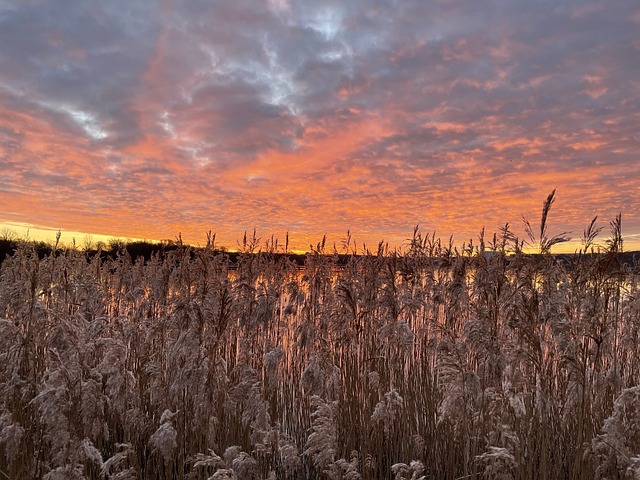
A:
x: 125, y: 120
x: 70, y: 238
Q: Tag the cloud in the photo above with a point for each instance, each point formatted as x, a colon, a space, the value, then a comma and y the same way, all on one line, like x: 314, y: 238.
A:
x: 130, y: 119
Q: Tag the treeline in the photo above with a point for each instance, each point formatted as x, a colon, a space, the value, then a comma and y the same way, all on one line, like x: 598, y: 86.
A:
x: 135, y: 249
x: 147, y: 250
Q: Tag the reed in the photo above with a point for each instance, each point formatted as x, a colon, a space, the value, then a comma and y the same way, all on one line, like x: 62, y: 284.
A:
x: 434, y: 362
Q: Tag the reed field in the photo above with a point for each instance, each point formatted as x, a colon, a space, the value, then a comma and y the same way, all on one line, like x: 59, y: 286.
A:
x: 434, y: 362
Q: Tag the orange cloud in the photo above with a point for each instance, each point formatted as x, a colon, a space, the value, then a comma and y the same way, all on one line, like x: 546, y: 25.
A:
x: 294, y: 117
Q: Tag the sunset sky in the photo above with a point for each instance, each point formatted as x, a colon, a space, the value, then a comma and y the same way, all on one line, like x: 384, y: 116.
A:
x: 139, y: 119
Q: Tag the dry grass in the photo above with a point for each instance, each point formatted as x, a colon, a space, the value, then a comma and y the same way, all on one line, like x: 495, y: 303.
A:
x: 437, y: 363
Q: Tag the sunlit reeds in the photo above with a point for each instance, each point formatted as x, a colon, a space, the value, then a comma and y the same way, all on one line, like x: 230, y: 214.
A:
x: 482, y: 362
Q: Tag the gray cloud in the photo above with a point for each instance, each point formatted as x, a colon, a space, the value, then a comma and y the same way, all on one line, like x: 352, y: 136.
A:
x: 182, y: 93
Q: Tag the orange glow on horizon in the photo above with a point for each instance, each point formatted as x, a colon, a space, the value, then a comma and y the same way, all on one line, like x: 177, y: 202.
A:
x: 299, y: 244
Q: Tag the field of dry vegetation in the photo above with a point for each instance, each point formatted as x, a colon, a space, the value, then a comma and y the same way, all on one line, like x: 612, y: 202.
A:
x: 436, y: 363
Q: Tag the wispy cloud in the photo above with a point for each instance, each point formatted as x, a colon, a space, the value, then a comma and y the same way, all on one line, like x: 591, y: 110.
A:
x: 122, y: 118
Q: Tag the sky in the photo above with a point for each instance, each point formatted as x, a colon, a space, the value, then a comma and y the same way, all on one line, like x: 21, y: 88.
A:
x: 139, y: 119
